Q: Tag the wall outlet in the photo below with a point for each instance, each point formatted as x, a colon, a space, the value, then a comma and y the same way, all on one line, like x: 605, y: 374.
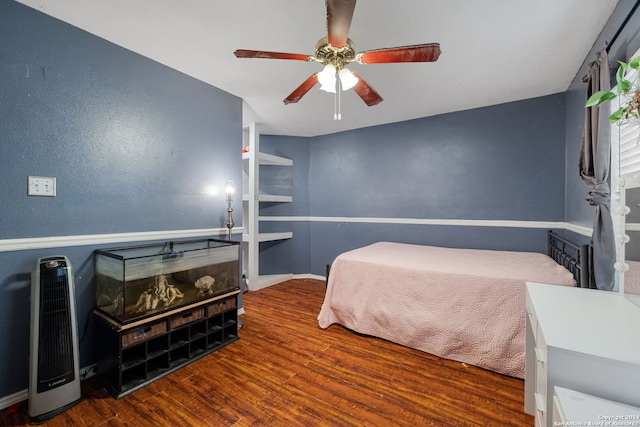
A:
x: 41, y: 186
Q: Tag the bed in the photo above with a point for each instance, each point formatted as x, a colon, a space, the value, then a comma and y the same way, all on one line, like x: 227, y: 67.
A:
x: 466, y: 305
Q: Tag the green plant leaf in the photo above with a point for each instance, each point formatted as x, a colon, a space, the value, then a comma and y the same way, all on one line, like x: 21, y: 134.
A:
x: 617, y: 115
x: 623, y: 66
x: 600, y: 97
x: 621, y: 72
x: 624, y: 85
x: 635, y: 63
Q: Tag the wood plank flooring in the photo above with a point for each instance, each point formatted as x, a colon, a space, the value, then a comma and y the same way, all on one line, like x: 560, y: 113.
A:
x: 286, y: 371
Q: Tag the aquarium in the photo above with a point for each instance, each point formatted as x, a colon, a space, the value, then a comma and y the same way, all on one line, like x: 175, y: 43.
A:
x: 139, y: 281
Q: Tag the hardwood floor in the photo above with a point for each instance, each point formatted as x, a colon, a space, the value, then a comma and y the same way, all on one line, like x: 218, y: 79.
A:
x: 286, y: 371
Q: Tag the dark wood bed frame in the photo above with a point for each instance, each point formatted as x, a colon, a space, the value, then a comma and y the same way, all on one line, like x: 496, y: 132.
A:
x: 573, y: 256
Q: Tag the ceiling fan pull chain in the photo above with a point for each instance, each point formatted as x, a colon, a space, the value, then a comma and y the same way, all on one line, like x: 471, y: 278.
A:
x: 337, y: 115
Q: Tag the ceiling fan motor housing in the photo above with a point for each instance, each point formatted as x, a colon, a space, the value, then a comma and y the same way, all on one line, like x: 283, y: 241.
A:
x: 338, y: 57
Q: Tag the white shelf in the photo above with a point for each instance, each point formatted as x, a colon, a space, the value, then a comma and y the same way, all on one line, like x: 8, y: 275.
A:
x: 269, y: 198
x: 251, y: 199
x: 269, y: 159
x: 267, y: 280
x: 269, y: 237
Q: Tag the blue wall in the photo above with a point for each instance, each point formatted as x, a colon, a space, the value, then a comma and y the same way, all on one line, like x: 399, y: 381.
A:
x: 500, y: 162
x: 132, y: 143
x: 504, y: 162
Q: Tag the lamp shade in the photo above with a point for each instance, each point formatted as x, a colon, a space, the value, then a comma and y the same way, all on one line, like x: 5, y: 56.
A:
x: 327, y: 78
x: 229, y: 189
x: 347, y: 79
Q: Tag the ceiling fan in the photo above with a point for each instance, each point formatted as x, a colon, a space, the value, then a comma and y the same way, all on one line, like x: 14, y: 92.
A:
x: 337, y: 50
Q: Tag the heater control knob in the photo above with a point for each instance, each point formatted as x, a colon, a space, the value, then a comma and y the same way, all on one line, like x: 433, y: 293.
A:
x: 52, y: 264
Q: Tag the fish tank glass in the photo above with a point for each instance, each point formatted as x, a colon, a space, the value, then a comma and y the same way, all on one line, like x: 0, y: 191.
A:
x: 140, y: 281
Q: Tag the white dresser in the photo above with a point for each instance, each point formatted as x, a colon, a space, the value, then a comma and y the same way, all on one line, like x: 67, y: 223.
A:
x: 580, y: 339
x: 574, y: 408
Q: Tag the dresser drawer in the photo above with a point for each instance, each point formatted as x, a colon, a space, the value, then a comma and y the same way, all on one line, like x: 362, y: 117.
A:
x: 574, y: 408
x: 541, y: 371
x: 540, y: 352
x: 541, y: 410
x: 186, y: 317
x: 531, y: 313
x: 220, y: 306
x: 558, y: 415
x: 143, y: 333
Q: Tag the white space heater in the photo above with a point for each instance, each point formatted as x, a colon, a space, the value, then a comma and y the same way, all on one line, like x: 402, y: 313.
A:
x: 54, y: 377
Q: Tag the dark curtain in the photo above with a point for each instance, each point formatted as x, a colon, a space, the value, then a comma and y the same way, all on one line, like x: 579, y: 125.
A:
x: 595, y: 155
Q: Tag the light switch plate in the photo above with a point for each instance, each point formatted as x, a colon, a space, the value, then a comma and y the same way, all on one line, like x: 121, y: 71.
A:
x: 41, y: 186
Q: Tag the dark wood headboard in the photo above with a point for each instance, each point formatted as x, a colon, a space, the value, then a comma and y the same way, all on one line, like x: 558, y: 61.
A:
x: 573, y: 256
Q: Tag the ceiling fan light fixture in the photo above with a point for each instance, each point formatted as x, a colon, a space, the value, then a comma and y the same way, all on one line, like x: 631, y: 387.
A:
x: 328, y: 88
x: 347, y: 79
x: 327, y: 78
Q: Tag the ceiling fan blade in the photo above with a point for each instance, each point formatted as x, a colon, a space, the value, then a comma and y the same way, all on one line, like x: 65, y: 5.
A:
x: 339, y: 14
x: 366, y: 92
x: 244, y: 53
x: 302, y: 89
x: 415, y: 53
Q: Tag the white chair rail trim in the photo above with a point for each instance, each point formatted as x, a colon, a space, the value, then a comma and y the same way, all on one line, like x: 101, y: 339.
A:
x: 8, y: 245
x: 576, y: 228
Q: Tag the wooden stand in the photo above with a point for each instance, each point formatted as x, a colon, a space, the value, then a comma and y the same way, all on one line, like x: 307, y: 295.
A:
x: 134, y: 355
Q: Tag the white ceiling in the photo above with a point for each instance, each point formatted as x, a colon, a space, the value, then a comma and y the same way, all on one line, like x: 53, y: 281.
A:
x: 493, y: 51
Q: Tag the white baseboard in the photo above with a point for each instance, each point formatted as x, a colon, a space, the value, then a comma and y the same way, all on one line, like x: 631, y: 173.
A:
x: 309, y: 276
x: 264, y: 281
x: 13, y: 399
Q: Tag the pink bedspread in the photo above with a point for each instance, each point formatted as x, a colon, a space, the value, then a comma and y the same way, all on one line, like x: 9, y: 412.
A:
x: 461, y: 304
